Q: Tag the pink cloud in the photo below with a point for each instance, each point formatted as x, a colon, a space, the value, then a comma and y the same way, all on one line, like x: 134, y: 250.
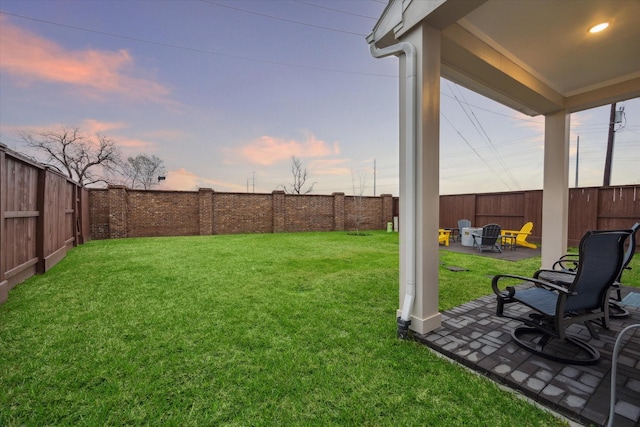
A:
x: 184, y: 180
x: 92, y: 127
x: 330, y: 167
x: 180, y: 179
x: 29, y: 57
x: 267, y: 150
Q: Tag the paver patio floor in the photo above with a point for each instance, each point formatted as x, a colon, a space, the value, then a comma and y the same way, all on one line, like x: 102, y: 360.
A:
x: 474, y: 336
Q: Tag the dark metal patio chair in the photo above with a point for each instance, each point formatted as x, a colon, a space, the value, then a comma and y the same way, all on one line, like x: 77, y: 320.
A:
x: 490, y: 238
x: 565, y: 268
x: 556, y: 307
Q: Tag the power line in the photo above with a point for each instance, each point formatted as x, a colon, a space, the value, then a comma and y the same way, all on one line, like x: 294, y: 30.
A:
x: 476, y: 152
x: 446, y: 95
x: 283, y: 19
x: 480, y: 129
x: 192, y: 49
x: 335, y: 10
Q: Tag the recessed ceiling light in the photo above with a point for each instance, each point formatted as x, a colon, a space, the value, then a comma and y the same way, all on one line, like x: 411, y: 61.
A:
x: 599, y: 27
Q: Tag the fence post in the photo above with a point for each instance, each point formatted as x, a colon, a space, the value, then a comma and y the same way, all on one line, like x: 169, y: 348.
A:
x: 205, y: 211
x: 4, y: 284
x: 338, y: 211
x: 75, y: 194
x: 41, y: 194
x: 117, y: 211
x: 278, y: 211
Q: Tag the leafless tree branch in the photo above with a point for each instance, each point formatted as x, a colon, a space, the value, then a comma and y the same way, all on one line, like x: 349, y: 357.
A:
x: 300, y: 175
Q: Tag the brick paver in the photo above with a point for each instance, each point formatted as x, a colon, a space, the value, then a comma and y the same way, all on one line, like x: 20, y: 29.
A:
x: 474, y: 336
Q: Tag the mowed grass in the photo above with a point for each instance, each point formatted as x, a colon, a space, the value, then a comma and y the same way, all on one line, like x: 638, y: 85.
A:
x: 244, y: 330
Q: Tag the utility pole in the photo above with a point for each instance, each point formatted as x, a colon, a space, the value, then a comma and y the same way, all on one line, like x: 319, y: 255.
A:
x: 254, y: 182
x: 606, y: 181
x: 374, y: 177
x: 577, y: 159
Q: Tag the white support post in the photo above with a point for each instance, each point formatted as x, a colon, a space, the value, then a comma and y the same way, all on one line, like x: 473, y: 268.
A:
x: 555, y: 194
x: 425, y: 316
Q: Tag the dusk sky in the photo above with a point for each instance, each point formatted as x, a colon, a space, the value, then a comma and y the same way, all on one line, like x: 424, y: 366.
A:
x: 226, y: 91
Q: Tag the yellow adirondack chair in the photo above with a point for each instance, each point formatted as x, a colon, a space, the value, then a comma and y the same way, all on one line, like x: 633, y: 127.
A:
x: 521, y: 235
x: 443, y: 236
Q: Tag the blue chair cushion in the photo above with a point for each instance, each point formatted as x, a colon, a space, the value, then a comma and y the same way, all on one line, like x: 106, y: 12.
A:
x: 541, y: 299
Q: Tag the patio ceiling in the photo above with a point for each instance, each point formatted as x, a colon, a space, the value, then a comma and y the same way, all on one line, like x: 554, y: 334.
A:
x: 537, y: 57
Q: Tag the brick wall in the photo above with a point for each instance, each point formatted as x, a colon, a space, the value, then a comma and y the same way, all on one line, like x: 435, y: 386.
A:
x: 242, y: 213
x: 366, y: 213
x: 99, y: 214
x: 164, y: 213
x: 120, y: 212
x: 309, y: 213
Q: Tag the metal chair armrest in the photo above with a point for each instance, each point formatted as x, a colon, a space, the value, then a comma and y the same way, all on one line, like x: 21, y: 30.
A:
x: 514, y: 232
x: 540, y: 283
x: 567, y: 262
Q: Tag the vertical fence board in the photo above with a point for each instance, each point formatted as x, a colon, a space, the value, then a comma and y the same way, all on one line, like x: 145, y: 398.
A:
x: 40, y: 222
x: 583, y: 213
x: 618, y: 206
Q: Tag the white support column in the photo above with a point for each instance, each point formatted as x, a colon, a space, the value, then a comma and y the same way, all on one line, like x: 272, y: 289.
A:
x: 425, y: 316
x: 555, y: 194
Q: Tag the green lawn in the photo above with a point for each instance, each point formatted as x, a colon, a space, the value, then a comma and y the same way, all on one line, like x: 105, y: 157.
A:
x: 271, y: 329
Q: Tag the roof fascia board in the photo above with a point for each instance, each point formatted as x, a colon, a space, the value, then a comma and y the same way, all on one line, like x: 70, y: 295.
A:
x: 400, y: 16
x: 383, y: 33
x: 414, y: 12
x: 437, y: 13
x: 617, y: 92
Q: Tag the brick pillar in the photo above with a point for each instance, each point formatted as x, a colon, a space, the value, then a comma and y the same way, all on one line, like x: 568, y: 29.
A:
x: 338, y: 211
x: 205, y: 212
x: 387, y: 209
x: 278, y: 211
x: 117, y: 211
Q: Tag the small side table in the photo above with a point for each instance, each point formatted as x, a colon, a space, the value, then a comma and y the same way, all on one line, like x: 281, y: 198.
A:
x: 455, y: 234
x: 508, y: 240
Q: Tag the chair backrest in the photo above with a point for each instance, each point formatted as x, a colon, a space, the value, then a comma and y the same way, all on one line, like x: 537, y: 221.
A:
x: 525, y: 230
x: 463, y: 223
x: 631, y: 249
x: 600, y: 263
x: 490, y: 234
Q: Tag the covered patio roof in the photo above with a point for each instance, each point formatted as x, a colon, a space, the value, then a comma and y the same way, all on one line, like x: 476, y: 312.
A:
x: 535, y: 56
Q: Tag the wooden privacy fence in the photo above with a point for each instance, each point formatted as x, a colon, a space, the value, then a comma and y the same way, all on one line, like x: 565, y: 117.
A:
x: 590, y: 208
x: 42, y: 215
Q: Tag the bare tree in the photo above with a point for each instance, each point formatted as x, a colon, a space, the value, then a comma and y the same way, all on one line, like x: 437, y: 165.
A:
x: 83, y: 159
x: 300, y: 175
x: 359, y: 216
x: 143, y: 171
